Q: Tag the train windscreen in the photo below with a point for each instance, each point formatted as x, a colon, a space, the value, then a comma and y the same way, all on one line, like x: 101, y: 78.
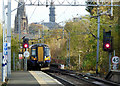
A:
x: 47, y: 51
x: 33, y: 52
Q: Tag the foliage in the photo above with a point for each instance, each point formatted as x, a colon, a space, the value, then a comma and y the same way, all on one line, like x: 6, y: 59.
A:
x: 90, y: 8
x: 34, y: 28
x: 81, y: 40
x: 56, y: 43
x: 14, y: 48
x: 116, y: 26
x: 88, y: 44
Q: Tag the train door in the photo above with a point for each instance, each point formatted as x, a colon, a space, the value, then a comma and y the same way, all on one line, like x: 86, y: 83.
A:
x: 40, y: 54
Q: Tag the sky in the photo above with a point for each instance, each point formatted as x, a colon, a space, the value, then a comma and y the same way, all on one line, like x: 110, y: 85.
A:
x: 41, y: 13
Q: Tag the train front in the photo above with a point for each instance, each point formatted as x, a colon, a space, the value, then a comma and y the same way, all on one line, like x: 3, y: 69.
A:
x: 47, y: 56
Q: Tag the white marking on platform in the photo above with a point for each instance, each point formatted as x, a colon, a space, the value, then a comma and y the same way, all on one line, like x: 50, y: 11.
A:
x: 44, y: 79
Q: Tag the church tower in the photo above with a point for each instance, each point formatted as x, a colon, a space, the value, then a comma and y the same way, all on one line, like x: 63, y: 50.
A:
x: 52, y: 13
x: 23, y: 18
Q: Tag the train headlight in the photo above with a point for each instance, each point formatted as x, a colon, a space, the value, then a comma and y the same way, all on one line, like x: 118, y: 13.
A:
x: 34, y: 58
x: 47, y: 58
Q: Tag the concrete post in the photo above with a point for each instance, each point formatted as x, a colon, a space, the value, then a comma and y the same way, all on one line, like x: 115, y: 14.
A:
x: 9, y: 37
x: 3, y: 59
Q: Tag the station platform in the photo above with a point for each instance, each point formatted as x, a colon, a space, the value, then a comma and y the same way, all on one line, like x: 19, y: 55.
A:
x: 32, y: 78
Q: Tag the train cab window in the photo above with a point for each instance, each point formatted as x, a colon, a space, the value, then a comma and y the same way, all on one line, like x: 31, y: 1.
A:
x: 33, y: 52
x: 47, y: 51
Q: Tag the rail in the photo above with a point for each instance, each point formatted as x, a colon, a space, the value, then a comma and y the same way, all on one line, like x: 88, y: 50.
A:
x: 87, y: 78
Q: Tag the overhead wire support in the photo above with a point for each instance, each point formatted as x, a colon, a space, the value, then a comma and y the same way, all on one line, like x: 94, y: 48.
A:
x: 70, y: 5
x: 17, y: 7
x: 98, y: 33
x: 63, y: 3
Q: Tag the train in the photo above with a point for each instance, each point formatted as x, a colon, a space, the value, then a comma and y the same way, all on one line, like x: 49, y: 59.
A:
x: 39, y: 56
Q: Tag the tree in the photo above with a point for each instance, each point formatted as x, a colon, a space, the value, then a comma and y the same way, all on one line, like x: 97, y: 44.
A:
x: 90, y: 8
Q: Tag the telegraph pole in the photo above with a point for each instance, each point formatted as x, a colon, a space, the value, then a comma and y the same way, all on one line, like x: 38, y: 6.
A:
x: 98, y: 33
x: 19, y: 27
x: 9, y: 37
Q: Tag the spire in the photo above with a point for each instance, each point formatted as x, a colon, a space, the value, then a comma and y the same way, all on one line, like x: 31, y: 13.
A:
x: 23, y: 18
x: 21, y: 10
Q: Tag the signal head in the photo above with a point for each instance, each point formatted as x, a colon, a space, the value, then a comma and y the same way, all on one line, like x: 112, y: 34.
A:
x: 25, y: 45
x: 107, y: 45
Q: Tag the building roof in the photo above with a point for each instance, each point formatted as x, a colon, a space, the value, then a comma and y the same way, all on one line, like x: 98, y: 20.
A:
x: 51, y: 25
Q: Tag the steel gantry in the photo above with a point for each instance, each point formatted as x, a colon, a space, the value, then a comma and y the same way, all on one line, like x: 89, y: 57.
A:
x: 67, y: 2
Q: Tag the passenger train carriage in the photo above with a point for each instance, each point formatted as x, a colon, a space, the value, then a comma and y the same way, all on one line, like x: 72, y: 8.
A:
x: 39, y: 56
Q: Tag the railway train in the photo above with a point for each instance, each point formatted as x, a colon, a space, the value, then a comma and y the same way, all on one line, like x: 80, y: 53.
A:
x: 39, y: 56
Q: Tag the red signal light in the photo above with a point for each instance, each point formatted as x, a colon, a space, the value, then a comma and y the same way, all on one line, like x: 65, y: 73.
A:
x: 107, y: 45
x: 25, y: 45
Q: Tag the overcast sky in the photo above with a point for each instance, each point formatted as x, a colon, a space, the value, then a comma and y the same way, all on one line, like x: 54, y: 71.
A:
x: 40, y: 13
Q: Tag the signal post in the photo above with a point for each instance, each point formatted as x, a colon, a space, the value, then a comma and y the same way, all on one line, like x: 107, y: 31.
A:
x: 108, y: 44
x: 25, y: 52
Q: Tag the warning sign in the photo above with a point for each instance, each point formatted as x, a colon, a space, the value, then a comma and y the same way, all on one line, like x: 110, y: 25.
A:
x: 20, y: 56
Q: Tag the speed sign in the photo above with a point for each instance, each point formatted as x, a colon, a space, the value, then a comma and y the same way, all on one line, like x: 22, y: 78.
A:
x: 26, y: 54
x: 115, y: 59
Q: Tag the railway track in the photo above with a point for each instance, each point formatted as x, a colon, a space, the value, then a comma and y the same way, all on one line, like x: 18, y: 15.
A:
x: 71, y: 78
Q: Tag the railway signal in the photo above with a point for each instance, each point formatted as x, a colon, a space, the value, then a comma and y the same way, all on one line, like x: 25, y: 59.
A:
x: 107, y: 45
x: 25, y: 43
x: 107, y: 41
